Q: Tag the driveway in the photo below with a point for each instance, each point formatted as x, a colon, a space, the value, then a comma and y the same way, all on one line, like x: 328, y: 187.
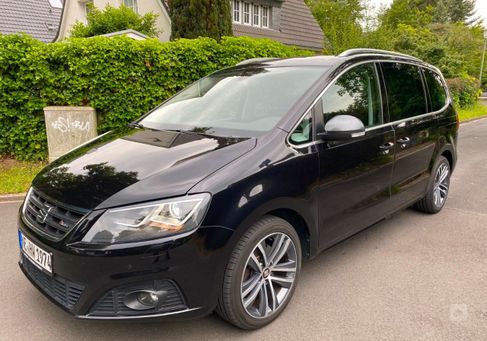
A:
x: 414, y: 276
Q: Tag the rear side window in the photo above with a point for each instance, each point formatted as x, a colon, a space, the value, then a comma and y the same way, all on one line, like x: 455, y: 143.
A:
x: 355, y: 93
x: 405, y: 90
x: 436, y: 89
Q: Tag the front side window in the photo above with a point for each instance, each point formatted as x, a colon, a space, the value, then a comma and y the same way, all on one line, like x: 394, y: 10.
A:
x: 436, y: 89
x: 355, y: 93
x: 242, y: 102
x: 246, y: 13
x: 303, y: 132
x: 405, y: 92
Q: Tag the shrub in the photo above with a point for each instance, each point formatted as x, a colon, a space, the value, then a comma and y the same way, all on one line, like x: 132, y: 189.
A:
x: 113, y: 19
x: 120, y: 77
x: 464, y: 90
x: 22, y: 130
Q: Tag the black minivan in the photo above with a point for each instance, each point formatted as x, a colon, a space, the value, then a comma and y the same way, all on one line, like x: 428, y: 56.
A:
x: 213, y: 199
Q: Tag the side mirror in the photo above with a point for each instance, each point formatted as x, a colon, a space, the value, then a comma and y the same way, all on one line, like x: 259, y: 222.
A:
x: 342, y: 127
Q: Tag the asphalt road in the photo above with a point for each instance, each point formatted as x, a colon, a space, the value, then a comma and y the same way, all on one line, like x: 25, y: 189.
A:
x: 414, y: 276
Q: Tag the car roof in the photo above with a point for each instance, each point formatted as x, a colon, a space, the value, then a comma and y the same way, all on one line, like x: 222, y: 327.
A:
x: 333, y: 61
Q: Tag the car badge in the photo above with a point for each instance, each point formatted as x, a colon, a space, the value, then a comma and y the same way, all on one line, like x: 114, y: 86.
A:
x: 41, y: 217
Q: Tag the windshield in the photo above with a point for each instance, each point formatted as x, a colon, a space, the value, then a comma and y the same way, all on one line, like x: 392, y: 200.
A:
x: 243, y: 103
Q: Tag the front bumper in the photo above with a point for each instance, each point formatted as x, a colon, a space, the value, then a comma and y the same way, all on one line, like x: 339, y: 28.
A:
x: 91, y: 284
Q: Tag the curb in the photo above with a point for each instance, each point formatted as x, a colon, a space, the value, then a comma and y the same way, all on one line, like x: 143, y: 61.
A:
x: 12, y: 197
x: 473, y: 119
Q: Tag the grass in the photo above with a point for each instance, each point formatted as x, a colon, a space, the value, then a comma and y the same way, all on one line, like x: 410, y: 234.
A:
x: 16, y: 176
x: 478, y: 110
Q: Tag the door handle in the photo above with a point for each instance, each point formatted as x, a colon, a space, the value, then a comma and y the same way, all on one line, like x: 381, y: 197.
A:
x: 404, y: 140
x: 387, y: 146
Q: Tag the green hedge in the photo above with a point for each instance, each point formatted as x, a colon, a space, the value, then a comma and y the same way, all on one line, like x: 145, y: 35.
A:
x: 465, y: 91
x: 120, y: 77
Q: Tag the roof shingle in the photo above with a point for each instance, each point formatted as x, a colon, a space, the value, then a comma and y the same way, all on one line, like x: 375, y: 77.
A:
x: 34, y: 17
x: 297, y: 27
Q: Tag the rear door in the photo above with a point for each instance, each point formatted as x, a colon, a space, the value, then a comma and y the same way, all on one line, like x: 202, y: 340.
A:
x: 354, y: 185
x: 415, y: 128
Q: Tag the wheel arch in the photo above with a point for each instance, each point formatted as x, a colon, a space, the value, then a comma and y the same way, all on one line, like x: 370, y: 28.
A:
x: 299, y: 213
x: 299, y: 224
x: 446, y: 147
x: 449, y: 156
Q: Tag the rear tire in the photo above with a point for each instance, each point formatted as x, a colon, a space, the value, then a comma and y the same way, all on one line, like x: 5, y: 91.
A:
x: 438, y: 188
x: 261, y: 275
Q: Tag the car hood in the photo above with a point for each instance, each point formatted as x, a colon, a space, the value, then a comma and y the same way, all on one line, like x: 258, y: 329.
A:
x: 135, y: 165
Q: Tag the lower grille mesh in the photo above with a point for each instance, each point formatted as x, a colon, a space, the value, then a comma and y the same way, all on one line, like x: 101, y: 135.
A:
x: 61, y: 290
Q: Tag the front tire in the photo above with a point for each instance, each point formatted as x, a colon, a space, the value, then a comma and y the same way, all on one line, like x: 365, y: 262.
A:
x: 438, y: 188
x: 261, y: 275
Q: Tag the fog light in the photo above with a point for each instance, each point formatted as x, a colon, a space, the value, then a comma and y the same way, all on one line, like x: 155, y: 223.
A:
x: 144, y: 299
x: 147, y: 298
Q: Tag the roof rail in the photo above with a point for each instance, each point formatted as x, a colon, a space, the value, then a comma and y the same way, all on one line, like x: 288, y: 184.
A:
x: 256, y: 60
x: 355, y: 52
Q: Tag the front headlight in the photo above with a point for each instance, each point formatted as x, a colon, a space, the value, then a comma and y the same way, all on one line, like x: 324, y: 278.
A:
x: 149, y: 221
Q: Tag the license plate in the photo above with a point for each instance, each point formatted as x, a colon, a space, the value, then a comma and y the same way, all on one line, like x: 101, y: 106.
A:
x: 34, y: 253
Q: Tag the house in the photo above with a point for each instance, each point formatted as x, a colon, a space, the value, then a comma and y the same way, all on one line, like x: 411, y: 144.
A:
x: 38, y: 18
x: 133, y: 34
x: 76, y: 10
x: 287, y: 21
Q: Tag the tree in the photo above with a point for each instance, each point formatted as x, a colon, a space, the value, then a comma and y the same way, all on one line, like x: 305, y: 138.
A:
x: 441, y: 14
x: 440, y: 32
x: 415, y: 13
x: 454, y: 11
x: 200, y: 18
x: 460, y: 10
x: 418, y: 13
x: 113, y: 19
x: 340, y: 22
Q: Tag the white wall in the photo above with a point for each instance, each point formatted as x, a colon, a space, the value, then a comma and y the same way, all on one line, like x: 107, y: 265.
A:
x: 75, y: 11
x: 163, y: 21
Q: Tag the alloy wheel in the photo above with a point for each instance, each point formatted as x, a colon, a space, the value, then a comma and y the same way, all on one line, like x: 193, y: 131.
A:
x: 269, y: 275
x: 442, y: 182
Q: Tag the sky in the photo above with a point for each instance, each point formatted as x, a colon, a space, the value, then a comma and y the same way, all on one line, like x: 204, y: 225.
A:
x: 481, y: 7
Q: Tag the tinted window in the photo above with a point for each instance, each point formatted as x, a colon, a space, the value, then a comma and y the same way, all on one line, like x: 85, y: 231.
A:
x: 436, y: 89
x: 404, y: 90
x: 238, y: 102
x: 355, y: 93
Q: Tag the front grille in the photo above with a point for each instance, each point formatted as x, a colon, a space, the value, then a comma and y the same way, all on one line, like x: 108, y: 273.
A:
x: 112, y: 303
x: 48, y: 217
x: 61, y: 290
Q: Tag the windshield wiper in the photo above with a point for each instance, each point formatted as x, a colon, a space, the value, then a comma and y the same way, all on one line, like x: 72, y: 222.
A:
x: 141, y: 126
x: 183, y: 131
x: 136, y: 125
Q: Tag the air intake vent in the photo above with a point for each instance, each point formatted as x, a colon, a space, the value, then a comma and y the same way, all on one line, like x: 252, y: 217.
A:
x: 61, y: 290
